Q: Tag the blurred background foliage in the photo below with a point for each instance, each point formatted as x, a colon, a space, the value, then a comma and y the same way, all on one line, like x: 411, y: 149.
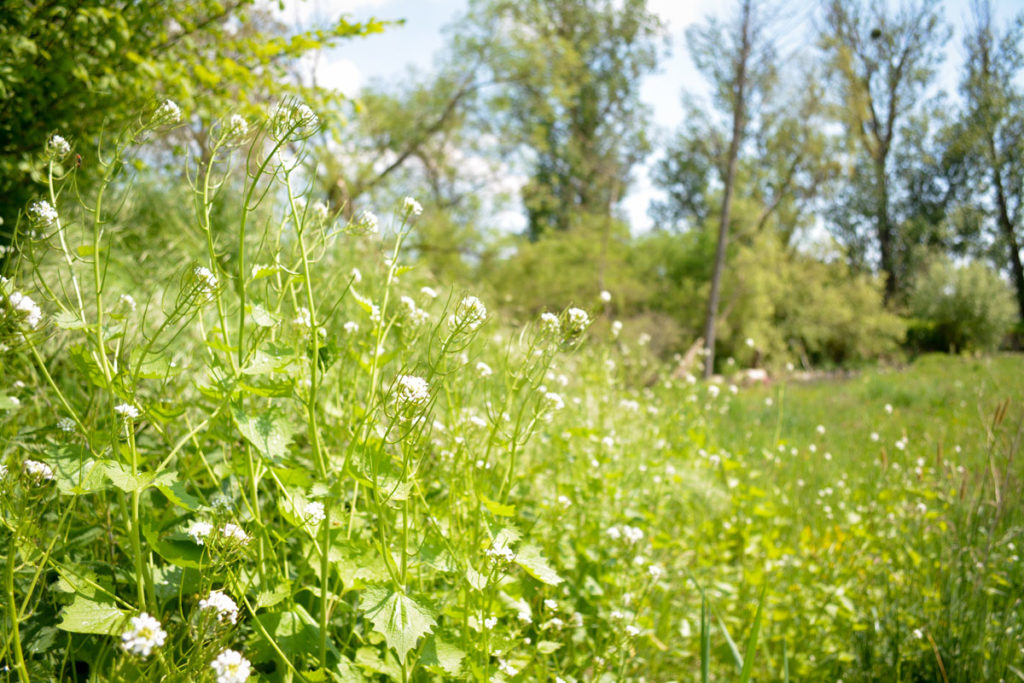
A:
x: 863, y: 201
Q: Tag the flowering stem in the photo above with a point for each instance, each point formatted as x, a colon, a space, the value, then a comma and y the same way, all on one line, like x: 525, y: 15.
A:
x: 12, y: 615
x: 142, y: 578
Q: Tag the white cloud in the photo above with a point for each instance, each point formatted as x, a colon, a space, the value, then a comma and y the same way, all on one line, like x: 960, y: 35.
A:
x: 678, y: 14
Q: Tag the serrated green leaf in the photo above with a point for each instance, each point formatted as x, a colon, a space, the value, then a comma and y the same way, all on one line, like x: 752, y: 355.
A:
x: 397, y: 617
x: 529, y: 558
x: 546, y: 647
x: 120, y: 477
x: 441, y: 654
x: 176, y: 493
x: 76, y: 473
x: 88, y: 616
x: 269, y: 432
x: 475, y: 578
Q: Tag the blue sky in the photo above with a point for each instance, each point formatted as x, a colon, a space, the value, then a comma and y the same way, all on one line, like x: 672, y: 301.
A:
x: 417, y: 42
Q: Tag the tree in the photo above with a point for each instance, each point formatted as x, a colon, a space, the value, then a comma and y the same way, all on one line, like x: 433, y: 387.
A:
x: 78, y: 68
x: 567, y: 93
x: 880, y: 65
x: 991, y: 133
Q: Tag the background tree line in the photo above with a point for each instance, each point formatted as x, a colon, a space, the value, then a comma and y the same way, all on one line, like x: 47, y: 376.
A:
x: 829, y: 203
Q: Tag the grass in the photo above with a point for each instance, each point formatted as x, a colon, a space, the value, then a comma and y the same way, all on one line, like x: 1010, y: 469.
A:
x: 389, y: 484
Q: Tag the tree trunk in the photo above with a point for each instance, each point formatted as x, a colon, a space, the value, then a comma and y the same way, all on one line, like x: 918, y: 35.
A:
x: 738, y: 114
x: 1010, y: 235
x: 885, y: 236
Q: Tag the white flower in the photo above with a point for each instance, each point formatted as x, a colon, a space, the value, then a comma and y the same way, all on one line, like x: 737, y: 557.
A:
x: 616, y: 329
x: 411, y: 206
x: 38, y: 470
x: 614, y: 533
x: 231, y: 667
x: 606, y: 296
x: 319, y: 212
x: 553, y: 401
x: 918, y: 633
x: 127, y: 411
x: 26, y: 307
x: 350, y: 327
x: 411, y: 391
x: 550, y: 323
x: 470, y: 313
x: 42, y: 212
x: 888, y: 408
x: 314, y: 513
x: 632, y: 533
x: 750, y: 342
x: 874, y: 436
x: 357, y: 277
x: 428, y: 292
x: 144, y: 635
x: 235, y: 532
x: 483, y: 369
x: 167, y: 113
x: 564, y: 501
x: 57, y: 147
x: 820, y: 429
x: 237, y: 126
x: 490, y: 622
x: 506, y: 668
x: 222, y: 604
x: 713, y: 390
x: 632, y: 631
x: 292, y: 119
x: 303, y: 318
x: 367, y: 220
x: 500, y: 553
x: 66, y: 424
x: 200, y: 531
x: 577, y: 320
x: 128, y: 301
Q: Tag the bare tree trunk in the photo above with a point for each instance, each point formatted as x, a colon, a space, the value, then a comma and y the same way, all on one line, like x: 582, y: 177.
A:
x: 1010, y: 235
x: 738, y: 116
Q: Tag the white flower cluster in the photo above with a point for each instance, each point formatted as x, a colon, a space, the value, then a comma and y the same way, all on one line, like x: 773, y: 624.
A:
x: 576, y: 320
x: 292, y: 119
x: 127, y: 411
x: 144, y: 635
x: 411, y: 206
x: 350, y: 327
x: 553, y: 401
x: 207, y: 280
x: 128, y: 301
x: 201, y: 531
x: 367, y: 222
x: 237, y: 127
x: 417, y: 316
x: 483, y: 369
x: 470, y: 314
x: 39, y: 471
x: 318, y: 211
x: 549, y: 321
x: 231, y: 667
x: 631, y: 533
x: 314, y: 513
x: 303, y: 318
x: 27, y: 309
x: 234, y: 532
x: 222, y: 604
x: 428, y: 292
x: 42, y: 213
x: 167, y: 113
x: 57, y: 147
x: 500, y: 554
x: 411, y: 391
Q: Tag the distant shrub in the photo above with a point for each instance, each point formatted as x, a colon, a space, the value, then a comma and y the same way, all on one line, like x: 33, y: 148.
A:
x: 960, y: 308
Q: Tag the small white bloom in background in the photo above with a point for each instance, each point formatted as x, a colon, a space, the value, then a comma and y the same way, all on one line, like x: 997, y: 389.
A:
x: 222, y: 604
x: 66, y: 424
x: 564, y: 501
x: 506, y: 668
x: 25, y: 307
x: 733, y: 389
x: 632, y: 631
x: 874, y: 436
x: 303, y: 318
x: 614, y: 533
x: 549, y: 321
x: 616, y: 614
x: 167, y: 113
x: 768, y: 401
x: 922, y: 508
x: 553, y: 401
x: 606, y: 296
x: 127, y: 411
x: 144, y: 635
x: 551, y: 604
x: 350, y: 327
x: 902, y: 444
x: 888, y: 408
x: 470, y: 313
x: 367, y: 220
x: 608, y: 442
x: 501, y: 554
x: 632, y: 533
x: 39, y: 471
x: 411, y: 206
x: 655, y: 571
x: 713, y: 390
x: 357, y: 276
x: 319, y: 212
x: 411, y: 391
x: 919, y: 634
x: 483, y: 369
x: 57, y: 147
x: 207, y: 280
x: 490, y: 623
x: 128, y: 301
x: 750, y: 342
x: 820, y: 429
x: 428, y: 292
x: 42, y: 213
x: 292, y: 118
x: 616, y: 329
x: 644, y: 339
x: 233, y: 531
x: 231, y: 667
x: 200, y: 531
x: 314, y: 513
x: 237, y: 126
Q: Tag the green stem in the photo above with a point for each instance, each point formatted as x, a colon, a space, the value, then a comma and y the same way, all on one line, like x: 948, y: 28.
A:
x: 12, y: 615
